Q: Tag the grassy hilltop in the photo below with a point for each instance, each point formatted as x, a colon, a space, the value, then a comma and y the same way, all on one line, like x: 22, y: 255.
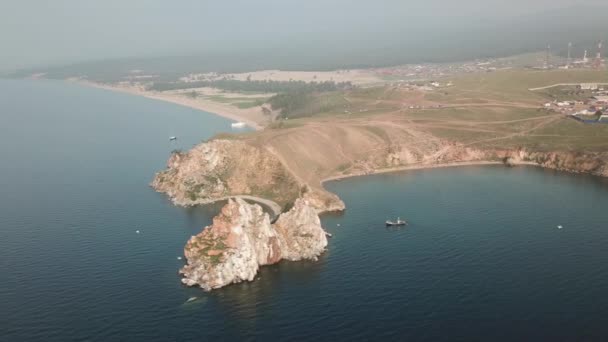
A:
x: 485, y: 110
x: 469, y: 118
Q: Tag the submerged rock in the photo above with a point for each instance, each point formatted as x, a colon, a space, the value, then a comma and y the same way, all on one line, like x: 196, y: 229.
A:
x: 241, y: 239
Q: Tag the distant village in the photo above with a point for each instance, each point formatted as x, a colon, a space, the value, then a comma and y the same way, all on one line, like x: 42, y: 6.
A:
x: 593, y: 109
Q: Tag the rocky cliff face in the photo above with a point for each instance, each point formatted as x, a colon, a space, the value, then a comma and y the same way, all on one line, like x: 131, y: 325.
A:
x: 577, y: 162
x: 223, y: 168
x: 595, y: 163
x: 322, y: 201
x: 219, y: 169
x: 300, y: 233
x: 241, y: 239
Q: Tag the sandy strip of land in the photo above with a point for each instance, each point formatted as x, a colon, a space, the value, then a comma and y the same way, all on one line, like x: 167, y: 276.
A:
x: 252, y: 117
x: 422, y: 167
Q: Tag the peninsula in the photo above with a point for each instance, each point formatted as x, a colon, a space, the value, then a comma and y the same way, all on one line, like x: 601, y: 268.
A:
x: 311, y: 127
x: 483, y: 118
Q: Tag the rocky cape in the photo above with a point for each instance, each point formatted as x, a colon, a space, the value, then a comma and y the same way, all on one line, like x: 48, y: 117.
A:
x: 241, y: 239
x: 220, y: 169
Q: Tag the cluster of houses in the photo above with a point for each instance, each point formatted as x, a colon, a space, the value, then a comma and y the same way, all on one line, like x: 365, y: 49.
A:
x: 592, y: 110
x: 439, y: 70
x: 597, y: 111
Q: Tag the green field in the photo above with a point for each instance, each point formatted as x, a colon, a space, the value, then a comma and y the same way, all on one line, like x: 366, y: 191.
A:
x: 513, y: 85
x: 482, y: 110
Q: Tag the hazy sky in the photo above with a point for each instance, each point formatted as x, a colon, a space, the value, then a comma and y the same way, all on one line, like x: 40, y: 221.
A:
x: 37, y: 32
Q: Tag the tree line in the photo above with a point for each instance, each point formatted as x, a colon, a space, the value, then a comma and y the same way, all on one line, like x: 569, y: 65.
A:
x: 292, y: 104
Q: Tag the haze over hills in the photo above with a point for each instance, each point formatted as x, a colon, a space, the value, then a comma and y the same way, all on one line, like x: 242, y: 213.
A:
x: 392, y: 43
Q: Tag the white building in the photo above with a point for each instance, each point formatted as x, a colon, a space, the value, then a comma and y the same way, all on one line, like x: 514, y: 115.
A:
x: 589, y: 86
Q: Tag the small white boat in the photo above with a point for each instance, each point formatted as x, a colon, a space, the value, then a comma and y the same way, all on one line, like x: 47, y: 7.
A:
x: 328, y: 234
x: 179, y: 258
x: 399, y: 222
x: 191, y: 299
x: 560, y: 227
x: 238, y: 124
x: 172, y: 138
x: 137, y: 231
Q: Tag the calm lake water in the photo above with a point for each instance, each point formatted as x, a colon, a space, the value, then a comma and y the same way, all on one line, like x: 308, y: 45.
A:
x: 483, y: 258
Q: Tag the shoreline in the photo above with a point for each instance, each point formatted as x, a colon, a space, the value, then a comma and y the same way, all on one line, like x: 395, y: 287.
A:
x: 422, y: 167
x: 214, y: 109
x: 271, y: 205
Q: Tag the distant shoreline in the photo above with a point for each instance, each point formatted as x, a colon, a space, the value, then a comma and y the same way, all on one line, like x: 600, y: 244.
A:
x: 421, y: 167
x: 204, y: 106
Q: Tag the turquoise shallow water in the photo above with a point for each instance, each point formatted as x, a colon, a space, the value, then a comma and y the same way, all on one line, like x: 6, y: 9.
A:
x: 483, y: 258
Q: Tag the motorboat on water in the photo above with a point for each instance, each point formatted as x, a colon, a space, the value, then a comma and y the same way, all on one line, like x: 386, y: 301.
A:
x: 398, y: 222
x: 172, y: 138
x: 238, y: 124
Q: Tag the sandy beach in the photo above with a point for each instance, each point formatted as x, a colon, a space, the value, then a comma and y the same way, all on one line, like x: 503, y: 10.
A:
x: 252, y: 117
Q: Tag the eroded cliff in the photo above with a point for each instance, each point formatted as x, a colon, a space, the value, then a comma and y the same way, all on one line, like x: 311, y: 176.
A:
x: 241, y: 239
x: 220, y: 169
x: 595, y: 163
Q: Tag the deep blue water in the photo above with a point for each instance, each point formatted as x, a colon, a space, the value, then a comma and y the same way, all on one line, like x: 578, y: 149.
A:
x: 482, y: 259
